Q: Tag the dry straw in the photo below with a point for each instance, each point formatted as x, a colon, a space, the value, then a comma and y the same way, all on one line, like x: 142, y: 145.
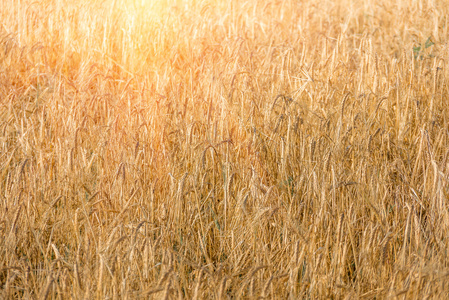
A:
x: 224, y: 149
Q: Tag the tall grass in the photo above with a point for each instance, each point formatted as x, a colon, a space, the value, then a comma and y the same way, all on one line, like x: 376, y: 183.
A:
x: 224, y: 149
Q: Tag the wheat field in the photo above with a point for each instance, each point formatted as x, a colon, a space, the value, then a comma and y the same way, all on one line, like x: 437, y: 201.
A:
x: 183, y: 149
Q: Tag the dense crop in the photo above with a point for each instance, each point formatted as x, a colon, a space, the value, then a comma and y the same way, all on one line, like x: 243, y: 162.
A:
x: 224, y: 149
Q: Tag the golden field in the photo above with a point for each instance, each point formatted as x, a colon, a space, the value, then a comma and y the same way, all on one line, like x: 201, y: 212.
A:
x: 224, y: 149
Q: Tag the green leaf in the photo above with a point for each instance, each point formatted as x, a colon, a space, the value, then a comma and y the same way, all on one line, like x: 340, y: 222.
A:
x: 416, y: 51
x: 429, y: 43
